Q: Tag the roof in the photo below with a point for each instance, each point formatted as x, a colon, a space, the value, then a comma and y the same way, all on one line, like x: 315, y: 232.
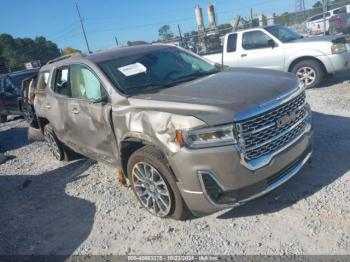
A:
x: 119, y: 52
x: 106, y: 55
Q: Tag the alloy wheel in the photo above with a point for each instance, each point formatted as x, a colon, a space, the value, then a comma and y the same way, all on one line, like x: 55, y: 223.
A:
x: 151, y: 189
x: 307, y: 75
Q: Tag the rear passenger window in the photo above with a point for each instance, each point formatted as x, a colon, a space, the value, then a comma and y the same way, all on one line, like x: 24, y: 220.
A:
x: 84, y: 84
x: 62, y: 86
x: 232, y: 43
x: 43, y: 80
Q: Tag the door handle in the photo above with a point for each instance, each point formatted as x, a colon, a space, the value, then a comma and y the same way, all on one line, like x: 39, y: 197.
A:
x: 244, y: 55
x: 75, y: 111
x: 48, y: 106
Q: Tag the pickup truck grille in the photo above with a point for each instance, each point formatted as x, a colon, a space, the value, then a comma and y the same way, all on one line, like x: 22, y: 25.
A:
x: 268, y: 132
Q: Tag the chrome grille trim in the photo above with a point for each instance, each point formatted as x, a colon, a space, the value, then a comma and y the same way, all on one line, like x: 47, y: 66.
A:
x: 260, y: 138
x: 278, y: 136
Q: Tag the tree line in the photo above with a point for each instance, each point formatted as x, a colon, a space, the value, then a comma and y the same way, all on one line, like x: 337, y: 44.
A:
x: 14, y: 52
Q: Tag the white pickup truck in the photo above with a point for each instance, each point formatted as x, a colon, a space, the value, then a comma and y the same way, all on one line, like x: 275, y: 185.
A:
x: 279, y: 48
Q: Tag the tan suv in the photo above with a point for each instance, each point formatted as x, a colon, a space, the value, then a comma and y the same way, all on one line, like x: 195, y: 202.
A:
x: 189, y: 135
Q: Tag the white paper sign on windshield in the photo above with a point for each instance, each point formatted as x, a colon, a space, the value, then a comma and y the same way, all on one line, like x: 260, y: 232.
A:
x: 132, y: 69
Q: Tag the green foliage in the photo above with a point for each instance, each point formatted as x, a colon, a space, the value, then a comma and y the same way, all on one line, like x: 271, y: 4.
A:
x: 318, y: 4
x: 165, y: 33
x: 17, y: 51
x: 224, y: 29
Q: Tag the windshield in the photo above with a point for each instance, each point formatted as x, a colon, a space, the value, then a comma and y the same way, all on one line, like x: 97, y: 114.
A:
x: 284, y: 34
x: 155, y: 70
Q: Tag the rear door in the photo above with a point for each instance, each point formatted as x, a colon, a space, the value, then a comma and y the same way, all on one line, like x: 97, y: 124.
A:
x: 257, y: 51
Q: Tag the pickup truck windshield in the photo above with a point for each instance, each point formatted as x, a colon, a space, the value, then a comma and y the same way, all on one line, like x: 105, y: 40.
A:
x: 284, y: 34
x: 149, y: 72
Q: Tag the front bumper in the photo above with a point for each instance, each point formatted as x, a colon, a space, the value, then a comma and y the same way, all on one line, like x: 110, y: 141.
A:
x: 237, y: 182
x: 336, y: 63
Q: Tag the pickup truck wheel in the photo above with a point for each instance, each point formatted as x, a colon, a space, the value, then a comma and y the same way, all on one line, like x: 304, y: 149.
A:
x: 3, y: 118
x: 54, y: 144
x: 154, y: 184
x: 309, y: 72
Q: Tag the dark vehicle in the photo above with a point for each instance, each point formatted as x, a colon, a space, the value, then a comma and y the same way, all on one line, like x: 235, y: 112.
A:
x: 10, y: 93
x: 188, y: 134
x: 340, y: 24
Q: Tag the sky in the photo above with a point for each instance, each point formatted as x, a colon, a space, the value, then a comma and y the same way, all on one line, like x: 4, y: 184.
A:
x: 57, y: 20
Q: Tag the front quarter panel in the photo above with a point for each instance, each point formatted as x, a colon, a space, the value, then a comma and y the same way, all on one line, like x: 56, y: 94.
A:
x: 155, y: 127
x: 293, y: 53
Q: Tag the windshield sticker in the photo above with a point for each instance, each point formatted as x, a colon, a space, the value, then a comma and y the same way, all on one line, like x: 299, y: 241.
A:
x: 133, y: 69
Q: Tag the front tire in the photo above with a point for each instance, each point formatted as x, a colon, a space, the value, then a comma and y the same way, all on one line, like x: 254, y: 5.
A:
x: 154, y: 184
x: 310, y: 72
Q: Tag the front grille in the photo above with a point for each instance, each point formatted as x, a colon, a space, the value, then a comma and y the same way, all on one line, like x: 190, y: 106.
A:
x: 262, y: 134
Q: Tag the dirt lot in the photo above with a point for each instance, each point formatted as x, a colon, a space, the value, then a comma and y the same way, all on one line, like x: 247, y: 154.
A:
x: 47, y: 207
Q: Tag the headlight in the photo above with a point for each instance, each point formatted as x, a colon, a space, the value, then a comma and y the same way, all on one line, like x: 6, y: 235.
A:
x: 206, y: 137
x: 339, y: 48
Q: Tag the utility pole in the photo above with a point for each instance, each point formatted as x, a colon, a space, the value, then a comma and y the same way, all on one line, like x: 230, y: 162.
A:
x: 324, y: 8
x: 116, y: 40
x: 251, y: 17
x: 178, y: 27
x: 83, y: 29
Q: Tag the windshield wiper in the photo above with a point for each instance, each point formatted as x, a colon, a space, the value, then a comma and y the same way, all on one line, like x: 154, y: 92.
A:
x: 156, y: 86
x: 188, y: 78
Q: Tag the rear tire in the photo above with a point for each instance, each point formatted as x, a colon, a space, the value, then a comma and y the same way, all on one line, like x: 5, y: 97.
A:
x: 157, y: 183
x: 3, y: 118
x: 57, y: 148
x: 310, y: 72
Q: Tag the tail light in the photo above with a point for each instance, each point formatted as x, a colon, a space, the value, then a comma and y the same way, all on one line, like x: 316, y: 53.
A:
x: 338, y: 21
x: 2, y: 101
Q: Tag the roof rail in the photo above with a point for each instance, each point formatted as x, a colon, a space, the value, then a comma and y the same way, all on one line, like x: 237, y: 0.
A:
x: 77, y: 54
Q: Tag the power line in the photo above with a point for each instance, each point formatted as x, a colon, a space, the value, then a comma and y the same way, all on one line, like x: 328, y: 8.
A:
x: 82, y: 28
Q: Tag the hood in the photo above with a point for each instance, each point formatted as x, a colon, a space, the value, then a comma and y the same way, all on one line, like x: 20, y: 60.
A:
x: 223, y: 97
x: 325, y: 38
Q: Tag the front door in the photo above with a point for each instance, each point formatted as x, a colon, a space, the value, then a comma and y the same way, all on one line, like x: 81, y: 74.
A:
x: 86, y: 125
x: 260, y: 50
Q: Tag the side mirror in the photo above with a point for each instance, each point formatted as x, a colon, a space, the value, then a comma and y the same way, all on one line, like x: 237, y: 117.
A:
x: 102, y: 100
x: 271, y: 43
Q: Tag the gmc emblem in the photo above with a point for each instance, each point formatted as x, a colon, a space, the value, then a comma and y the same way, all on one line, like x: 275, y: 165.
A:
x: 287, y: 119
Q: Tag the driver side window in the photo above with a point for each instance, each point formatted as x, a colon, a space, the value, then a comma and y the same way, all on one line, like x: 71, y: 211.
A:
x: 255, y: 40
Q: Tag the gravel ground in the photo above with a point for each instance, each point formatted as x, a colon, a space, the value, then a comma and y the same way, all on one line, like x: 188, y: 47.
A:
x: 47, y: 207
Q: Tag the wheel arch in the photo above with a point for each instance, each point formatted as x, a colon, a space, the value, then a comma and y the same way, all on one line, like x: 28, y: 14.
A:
x: 42, y: 122
x: 129, y: 145
x: 302, y: 58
